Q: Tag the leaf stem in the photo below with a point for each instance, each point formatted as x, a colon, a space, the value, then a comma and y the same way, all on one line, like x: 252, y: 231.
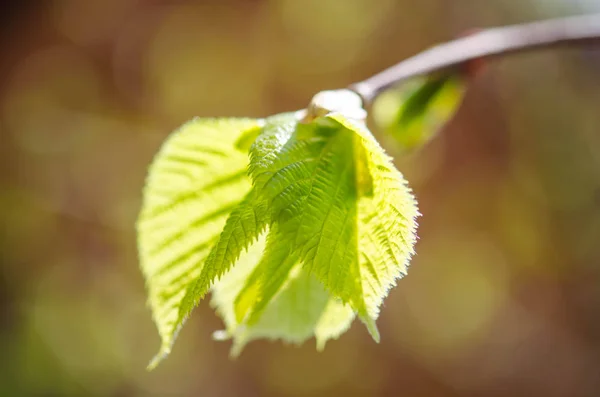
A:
x: 494, y: 42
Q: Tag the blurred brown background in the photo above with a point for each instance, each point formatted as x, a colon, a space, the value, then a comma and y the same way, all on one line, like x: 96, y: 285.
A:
x: 502, y: 299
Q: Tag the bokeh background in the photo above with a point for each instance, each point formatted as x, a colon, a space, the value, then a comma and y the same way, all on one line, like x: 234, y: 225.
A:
x: 502, y: 299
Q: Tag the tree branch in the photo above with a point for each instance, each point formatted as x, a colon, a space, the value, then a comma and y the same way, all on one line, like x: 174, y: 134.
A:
x: 495, y: 42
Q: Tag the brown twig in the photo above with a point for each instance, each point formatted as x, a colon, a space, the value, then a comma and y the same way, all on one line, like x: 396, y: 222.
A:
x: 495, y: 42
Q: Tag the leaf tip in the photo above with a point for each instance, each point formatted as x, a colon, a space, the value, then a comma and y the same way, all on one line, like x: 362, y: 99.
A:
x: 164, y: 352
x: 371, y: 327
x: 238, y: 345
x: 321, y: 344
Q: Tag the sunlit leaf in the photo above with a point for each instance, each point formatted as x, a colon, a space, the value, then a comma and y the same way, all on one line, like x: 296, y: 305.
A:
x: 295, y: 226
x: 354, y: 232
x: 248, y: 220
x: 302, y: 309
x: 387, y: 226
x: 194, y: 183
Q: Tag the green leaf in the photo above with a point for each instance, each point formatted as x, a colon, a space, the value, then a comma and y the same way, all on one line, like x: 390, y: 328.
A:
x: 339, y: 207
x: 311, y: 230
x: 387, y: 219
x: 193, y: 184
x: 416, y: 111
x: 302, y: 309
x: 248, y: 220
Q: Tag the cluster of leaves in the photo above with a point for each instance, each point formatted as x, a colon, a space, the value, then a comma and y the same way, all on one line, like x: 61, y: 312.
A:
x: 296, y: 225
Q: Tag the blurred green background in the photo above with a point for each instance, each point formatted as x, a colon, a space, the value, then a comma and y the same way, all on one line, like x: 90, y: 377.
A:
x: 502, y: 299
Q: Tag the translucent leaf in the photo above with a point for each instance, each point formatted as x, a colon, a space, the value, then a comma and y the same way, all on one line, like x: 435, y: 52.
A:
x: 249, y: 219
x: 310, y: 231
x: 193, y: 184
x: 301, y: 309
x: 414, y: 112
x: 387, y: 219
x: 339, y: 207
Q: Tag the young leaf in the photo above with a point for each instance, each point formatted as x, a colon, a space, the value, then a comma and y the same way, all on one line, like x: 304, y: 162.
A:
x: 414, y: 113
x: 338, y: 218
x: 248, y: 220
x: 339, y: 207
x: 299, y: 194
x: 387, y: 232
x: 302, y: 309
x: 194, y: 183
